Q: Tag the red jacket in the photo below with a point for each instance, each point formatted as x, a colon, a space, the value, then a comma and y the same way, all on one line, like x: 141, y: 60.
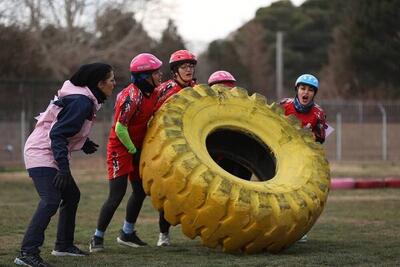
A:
x: 133, y: 110
x: 315, y: 119
x: 166, y: 90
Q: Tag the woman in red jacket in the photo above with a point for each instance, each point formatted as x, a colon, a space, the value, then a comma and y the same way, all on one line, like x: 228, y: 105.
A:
x: 182, y: 64
x: 304, y: 108
x: 133, y: 108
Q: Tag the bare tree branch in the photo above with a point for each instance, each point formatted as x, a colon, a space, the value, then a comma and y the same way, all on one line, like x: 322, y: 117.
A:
x: 65, y: 30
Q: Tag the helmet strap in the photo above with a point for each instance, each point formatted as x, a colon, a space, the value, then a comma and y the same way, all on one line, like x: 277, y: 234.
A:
x: 184, y: 84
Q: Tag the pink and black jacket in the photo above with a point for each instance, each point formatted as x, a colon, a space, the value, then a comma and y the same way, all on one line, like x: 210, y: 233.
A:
x: 64, y: 127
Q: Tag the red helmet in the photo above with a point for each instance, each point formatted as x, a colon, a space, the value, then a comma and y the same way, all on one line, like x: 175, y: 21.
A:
x: 182, y: 56
x: 220, y: 76
x: 145, y: 62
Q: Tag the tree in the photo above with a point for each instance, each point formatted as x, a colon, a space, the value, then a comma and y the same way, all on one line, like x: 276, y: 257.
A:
x: 20, y: 55
x: 66, y: 33
x: 59, y: 15
x: 251, y: 47
x: 311, y: 38
x: 119, y: 38
x: 307, y: 35
x: 170, y: 42
x: 222, y: 55
x: 364, y: 57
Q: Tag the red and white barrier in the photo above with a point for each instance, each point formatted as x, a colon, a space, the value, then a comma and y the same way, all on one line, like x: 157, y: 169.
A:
x: 370, y: 183
x: 367, y: 183
x: 392, y: 182
x: 343, y: 183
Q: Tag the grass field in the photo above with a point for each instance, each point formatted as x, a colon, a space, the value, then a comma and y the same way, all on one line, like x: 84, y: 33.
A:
x: 357, y: 228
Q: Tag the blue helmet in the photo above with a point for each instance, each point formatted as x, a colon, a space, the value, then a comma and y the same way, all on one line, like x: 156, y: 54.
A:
x: 307, y: 79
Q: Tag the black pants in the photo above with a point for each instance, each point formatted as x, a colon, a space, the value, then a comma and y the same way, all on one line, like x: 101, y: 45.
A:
x: 50, y: 200
x: 117, y: 189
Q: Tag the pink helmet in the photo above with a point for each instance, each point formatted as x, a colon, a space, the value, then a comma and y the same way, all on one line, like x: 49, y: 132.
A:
x: 182, y: 55
x: 145, y: 62
x: 220, y: 76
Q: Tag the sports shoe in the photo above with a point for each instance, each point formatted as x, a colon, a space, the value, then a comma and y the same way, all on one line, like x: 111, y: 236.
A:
x: 33, y: 260
x: 96, y: 244
x: 304, y: 239
x: 163, y: 240
x: 71, y: 251
x: 130, y: 240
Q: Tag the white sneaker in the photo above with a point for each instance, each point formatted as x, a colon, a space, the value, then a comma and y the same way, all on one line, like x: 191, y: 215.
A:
x: 163, y: 240
x: 304, y: 239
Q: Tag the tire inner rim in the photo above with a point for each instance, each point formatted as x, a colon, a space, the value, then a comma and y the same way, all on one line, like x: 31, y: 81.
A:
x: 242, y: 154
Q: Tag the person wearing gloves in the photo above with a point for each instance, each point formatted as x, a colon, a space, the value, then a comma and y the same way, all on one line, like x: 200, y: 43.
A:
x: 133, y: 109
x: 64, y: 127
x: 306, y: 110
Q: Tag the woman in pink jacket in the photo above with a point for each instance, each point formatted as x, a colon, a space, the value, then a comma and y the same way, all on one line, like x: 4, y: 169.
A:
x: 64, y: 127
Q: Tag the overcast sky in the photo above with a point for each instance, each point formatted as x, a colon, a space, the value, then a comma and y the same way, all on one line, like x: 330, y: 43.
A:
x: 202, y: 21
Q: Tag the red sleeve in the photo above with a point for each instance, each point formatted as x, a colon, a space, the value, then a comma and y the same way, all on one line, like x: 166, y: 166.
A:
x: 129, y: 105
x: 286, y: 105
x: 166, y: 91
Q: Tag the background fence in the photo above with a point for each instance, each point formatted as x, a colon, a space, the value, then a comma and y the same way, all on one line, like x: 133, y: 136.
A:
x: 364, y: 131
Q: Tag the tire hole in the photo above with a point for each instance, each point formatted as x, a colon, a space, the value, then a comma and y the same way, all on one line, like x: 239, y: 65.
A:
x: 241, y: 154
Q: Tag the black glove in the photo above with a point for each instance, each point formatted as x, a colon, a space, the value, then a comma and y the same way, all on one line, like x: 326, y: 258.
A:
x: 319, y: 133
x: 136, y: 157
x: 62, y: 180
x: 89, y: 147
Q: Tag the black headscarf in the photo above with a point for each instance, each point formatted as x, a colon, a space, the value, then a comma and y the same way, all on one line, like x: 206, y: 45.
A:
x: 139, y: 79
x: 90, y: 75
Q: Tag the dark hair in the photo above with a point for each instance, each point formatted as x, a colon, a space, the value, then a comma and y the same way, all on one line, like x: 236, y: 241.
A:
x: 91, y: 74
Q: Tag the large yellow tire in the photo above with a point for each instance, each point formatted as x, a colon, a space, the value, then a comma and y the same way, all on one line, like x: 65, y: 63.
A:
x: 225, y: 210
